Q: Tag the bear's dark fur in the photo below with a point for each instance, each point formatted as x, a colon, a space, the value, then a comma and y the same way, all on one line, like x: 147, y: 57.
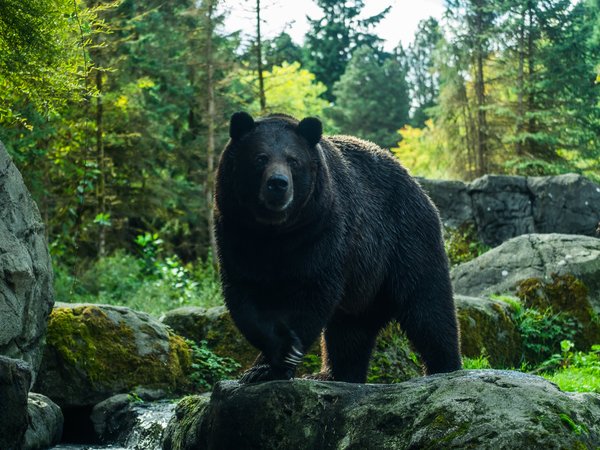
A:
x: 328, y: 235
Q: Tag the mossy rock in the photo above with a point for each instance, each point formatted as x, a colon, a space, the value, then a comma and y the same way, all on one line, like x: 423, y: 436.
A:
x: 564, y: 294
x: 96, y: 351
x: 487, y: 328
x: 392, y: 360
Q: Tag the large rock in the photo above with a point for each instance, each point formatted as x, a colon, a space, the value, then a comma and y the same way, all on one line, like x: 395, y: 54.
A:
x: 501, y: 207
x: 466, y: 409
x: 15, y: 379
x: 26, y: 292
x: 488, y: 329
x: 96, y: 351
x: 565, y: 204
x: 132, y: 422
x: 503, y: 269
x: 392, y: 361
x: 452, y: 200
x: 45, y: 423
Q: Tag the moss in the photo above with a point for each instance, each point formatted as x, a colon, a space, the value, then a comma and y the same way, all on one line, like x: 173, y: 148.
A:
x: 491, y: 331
x: 571, y: 425
x: 442, y: 430
x: 393, y: 360
x: 88, y: 341
x: 463, y: 244
x: 568, y: 295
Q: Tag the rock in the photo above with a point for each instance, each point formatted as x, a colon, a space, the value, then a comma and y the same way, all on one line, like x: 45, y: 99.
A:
x: 46, y: 423
x: 452, y: 200
x: 501, y: 207
x: 487, y: 328
x: 484, y: 409
x: 15, y: 379
x: 392, y: 361
x: 96, y: 351
x: 566, y: 203
x: 132, y: 422
x: 183, y: 431
x: 26, y: 290
x: 533, y: 256
x: 215, y: 326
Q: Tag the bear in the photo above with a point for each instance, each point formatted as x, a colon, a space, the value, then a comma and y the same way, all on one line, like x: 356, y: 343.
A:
x: 331, y: 237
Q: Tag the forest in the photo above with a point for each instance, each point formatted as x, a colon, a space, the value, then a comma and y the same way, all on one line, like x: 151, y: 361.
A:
x: 116, y: 112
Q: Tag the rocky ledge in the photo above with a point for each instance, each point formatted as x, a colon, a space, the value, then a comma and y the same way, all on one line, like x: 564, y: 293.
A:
x: 485, y: 409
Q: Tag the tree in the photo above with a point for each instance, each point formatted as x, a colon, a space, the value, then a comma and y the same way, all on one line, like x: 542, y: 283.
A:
x: 333, y: 38
x: 424, y: 79
x: 281, y: 49
x: 472, y: 23
x: 289, y: 89
x: 372, y: 99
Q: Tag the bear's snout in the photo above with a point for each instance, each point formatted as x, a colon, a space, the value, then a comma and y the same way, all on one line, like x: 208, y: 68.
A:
x: 277, y: 189
x: 278, y: 183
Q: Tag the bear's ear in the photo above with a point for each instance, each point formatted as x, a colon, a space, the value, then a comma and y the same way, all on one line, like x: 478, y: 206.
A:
x: 241, y: 123
x: 311, y: 129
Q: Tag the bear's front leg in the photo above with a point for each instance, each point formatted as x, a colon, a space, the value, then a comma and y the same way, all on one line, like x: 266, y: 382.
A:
x: 281, y: 333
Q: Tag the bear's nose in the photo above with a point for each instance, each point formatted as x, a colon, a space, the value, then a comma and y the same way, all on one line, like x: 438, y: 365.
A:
x: 278, y: 183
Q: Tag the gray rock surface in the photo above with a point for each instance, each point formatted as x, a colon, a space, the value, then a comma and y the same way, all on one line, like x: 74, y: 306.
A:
x: 452, y: 200
x: 500, y: 270
x: 45, y: 423
x: 96, y: 351
x: 26, y: 291
x: 131, y: 422
x: 15, y: 379
x: 466, y: 409
x: 503, y: 207
x: 565, y: 204
x: 487, y: 327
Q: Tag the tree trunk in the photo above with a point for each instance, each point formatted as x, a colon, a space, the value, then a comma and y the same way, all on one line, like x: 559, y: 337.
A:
x: 259, y: 65
x: 481, y: 141
x: 521, y: 85
x: 101, y: 184
x: 211, y: 119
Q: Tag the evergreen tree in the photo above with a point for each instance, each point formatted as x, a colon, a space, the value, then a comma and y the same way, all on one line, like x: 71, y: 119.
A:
x: 372, y: 97
x: 333, y: 38
x: 423, y: 77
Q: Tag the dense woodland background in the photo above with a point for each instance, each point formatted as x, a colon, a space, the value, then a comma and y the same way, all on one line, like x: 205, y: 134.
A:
x: 116, y: 112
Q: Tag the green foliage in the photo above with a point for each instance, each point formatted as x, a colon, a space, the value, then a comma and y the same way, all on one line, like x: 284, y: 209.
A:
x: 289, y: 89
x: 208, y: 367
x: 481, y: 362
x: 542, y: 331
x: 367, y: 104
x: 462, y: 244
x: 334, y: 37
x: 152, y: 283
x: 574, y: 370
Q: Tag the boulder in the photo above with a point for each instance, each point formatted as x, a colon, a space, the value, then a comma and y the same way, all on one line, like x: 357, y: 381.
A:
x: 503, y: 269
x: 487, y: 328
x: 132, y: 422
x: 485, y: 409
x: 15, y: 379
x: 45, y: 423
x: 215, y: 326
x: 392, y: 361
x: 96, y: 351
x: 502, y: 207
x: 566, y: 203
x: 26, y: 291
x: 452, y: 200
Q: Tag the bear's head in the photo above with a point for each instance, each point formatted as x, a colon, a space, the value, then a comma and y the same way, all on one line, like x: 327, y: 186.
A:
x: 275, y: 160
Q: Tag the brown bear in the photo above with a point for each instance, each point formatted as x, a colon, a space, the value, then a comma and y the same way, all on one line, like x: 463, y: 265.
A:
x: 327, y: 235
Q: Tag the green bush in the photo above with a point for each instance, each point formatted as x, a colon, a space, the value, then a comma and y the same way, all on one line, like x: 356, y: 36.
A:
x: 462, y: 244
x: 208, y: 367
x: 150, y: 283
x: 574, y: 370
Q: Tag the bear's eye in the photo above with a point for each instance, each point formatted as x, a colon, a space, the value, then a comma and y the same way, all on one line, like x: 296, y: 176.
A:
x: 261, y: 159
x: 293, y: 162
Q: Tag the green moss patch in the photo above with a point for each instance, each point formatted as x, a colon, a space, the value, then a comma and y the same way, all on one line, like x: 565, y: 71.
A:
x: 91, y: 344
